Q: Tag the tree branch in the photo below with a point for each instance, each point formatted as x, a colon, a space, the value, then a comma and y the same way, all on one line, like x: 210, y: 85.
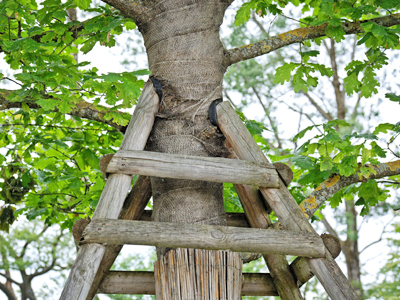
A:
x: 329, y: 227
x: 7, y: 292
x: 134, y: 9
x: 326, y: 115
x: 83, y: 109
x: 299, y: 35
x: 10, y: 279
x: 339, y: 94
x: 380, y: 238
x: 336, y: 182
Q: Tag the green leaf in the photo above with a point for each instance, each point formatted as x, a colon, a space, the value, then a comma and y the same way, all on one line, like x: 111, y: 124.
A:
x: 48, y: 104
x: 129, y: 25
x: 83, y: 4
x: 303, y: 162
x: 243, y: 13
x: 89, y: 44
x: 335, y: 32
x: 384, y: 127
x: 393, y: 97
x: 34, y: 213
x: 303, y: 132
x: 283, y: 73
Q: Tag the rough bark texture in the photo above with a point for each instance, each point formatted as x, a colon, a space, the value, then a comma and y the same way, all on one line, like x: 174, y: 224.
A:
x: 185, y: 53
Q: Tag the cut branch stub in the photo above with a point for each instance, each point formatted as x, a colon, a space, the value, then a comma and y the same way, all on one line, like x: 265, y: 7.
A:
x: 285, y: 172
x: 103, y: 164
x: 77, y: 230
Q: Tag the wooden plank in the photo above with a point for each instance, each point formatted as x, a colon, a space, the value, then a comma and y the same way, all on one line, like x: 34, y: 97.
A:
x: 143, y: 283
x: 132, y: 209
x: 283, y: 204
x: 215, y: 169
x: 209, y: 237
x: 113, y: 195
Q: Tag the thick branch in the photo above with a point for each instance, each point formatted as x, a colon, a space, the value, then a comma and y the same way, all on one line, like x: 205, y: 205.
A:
x: 299, y: 35
x: 134, y: 9
x: 6, y: 291
x: 83, y: 109
x: 336, y: 182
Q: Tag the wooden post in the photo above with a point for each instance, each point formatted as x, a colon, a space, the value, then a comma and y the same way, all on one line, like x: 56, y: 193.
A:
x: 222, y: 275
x: 283, y: 203
x: 209, y: 237
x: 89, y: 258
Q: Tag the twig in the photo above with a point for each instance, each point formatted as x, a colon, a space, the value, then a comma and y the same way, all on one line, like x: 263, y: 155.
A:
x: 380, y: 238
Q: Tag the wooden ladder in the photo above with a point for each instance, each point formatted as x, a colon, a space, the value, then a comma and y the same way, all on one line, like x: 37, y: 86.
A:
x: 107, y: 232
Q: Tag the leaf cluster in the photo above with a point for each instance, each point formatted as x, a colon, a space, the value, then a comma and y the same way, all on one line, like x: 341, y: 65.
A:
x: 376, y: 37
x: 344, y: 154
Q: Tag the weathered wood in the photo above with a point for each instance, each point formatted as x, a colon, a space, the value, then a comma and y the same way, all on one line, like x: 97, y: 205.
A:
x: 85, y: 264
x: 112, y: 198
x: 210, y: 237
x: 215, y: 169
x: 199, y: 275
x: 255, y: 211
x: 132, y: 209
x: 300, y: 266
x: 232, y: 219
x: 283, y: 203
x: 285, y: 172
x: 143, y: 283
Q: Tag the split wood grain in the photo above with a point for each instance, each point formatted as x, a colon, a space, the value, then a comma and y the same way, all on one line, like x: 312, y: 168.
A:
x: 143, y: 283
x: 113, y: 196
x: 283, y: 204
x: 202, y: 274
x: 215, y: 169
x: 210, y: 237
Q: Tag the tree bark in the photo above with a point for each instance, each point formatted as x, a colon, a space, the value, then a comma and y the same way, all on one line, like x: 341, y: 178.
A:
x: 350, y: 248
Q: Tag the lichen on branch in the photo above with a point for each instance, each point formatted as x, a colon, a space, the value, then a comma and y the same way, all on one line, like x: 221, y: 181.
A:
x: 299, y: 35
x: 336, y: 182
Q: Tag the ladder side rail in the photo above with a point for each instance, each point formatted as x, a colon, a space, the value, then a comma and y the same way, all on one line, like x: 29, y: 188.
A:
x: 283, y: 204
x: 86, y: 265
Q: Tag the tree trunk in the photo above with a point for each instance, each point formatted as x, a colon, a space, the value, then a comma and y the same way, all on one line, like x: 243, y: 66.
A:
x: 186, y: 55
x: 350, y: 248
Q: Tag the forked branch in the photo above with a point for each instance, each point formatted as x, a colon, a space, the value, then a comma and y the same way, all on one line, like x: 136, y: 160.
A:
x: 299, y: 35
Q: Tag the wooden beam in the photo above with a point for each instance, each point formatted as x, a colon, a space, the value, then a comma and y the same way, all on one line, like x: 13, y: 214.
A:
x: 209, y: 237
x: 87, y: 263
x: 283, y: 204
x: 142, y: 282
x: 215, y: 169
x: 232, y: 219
